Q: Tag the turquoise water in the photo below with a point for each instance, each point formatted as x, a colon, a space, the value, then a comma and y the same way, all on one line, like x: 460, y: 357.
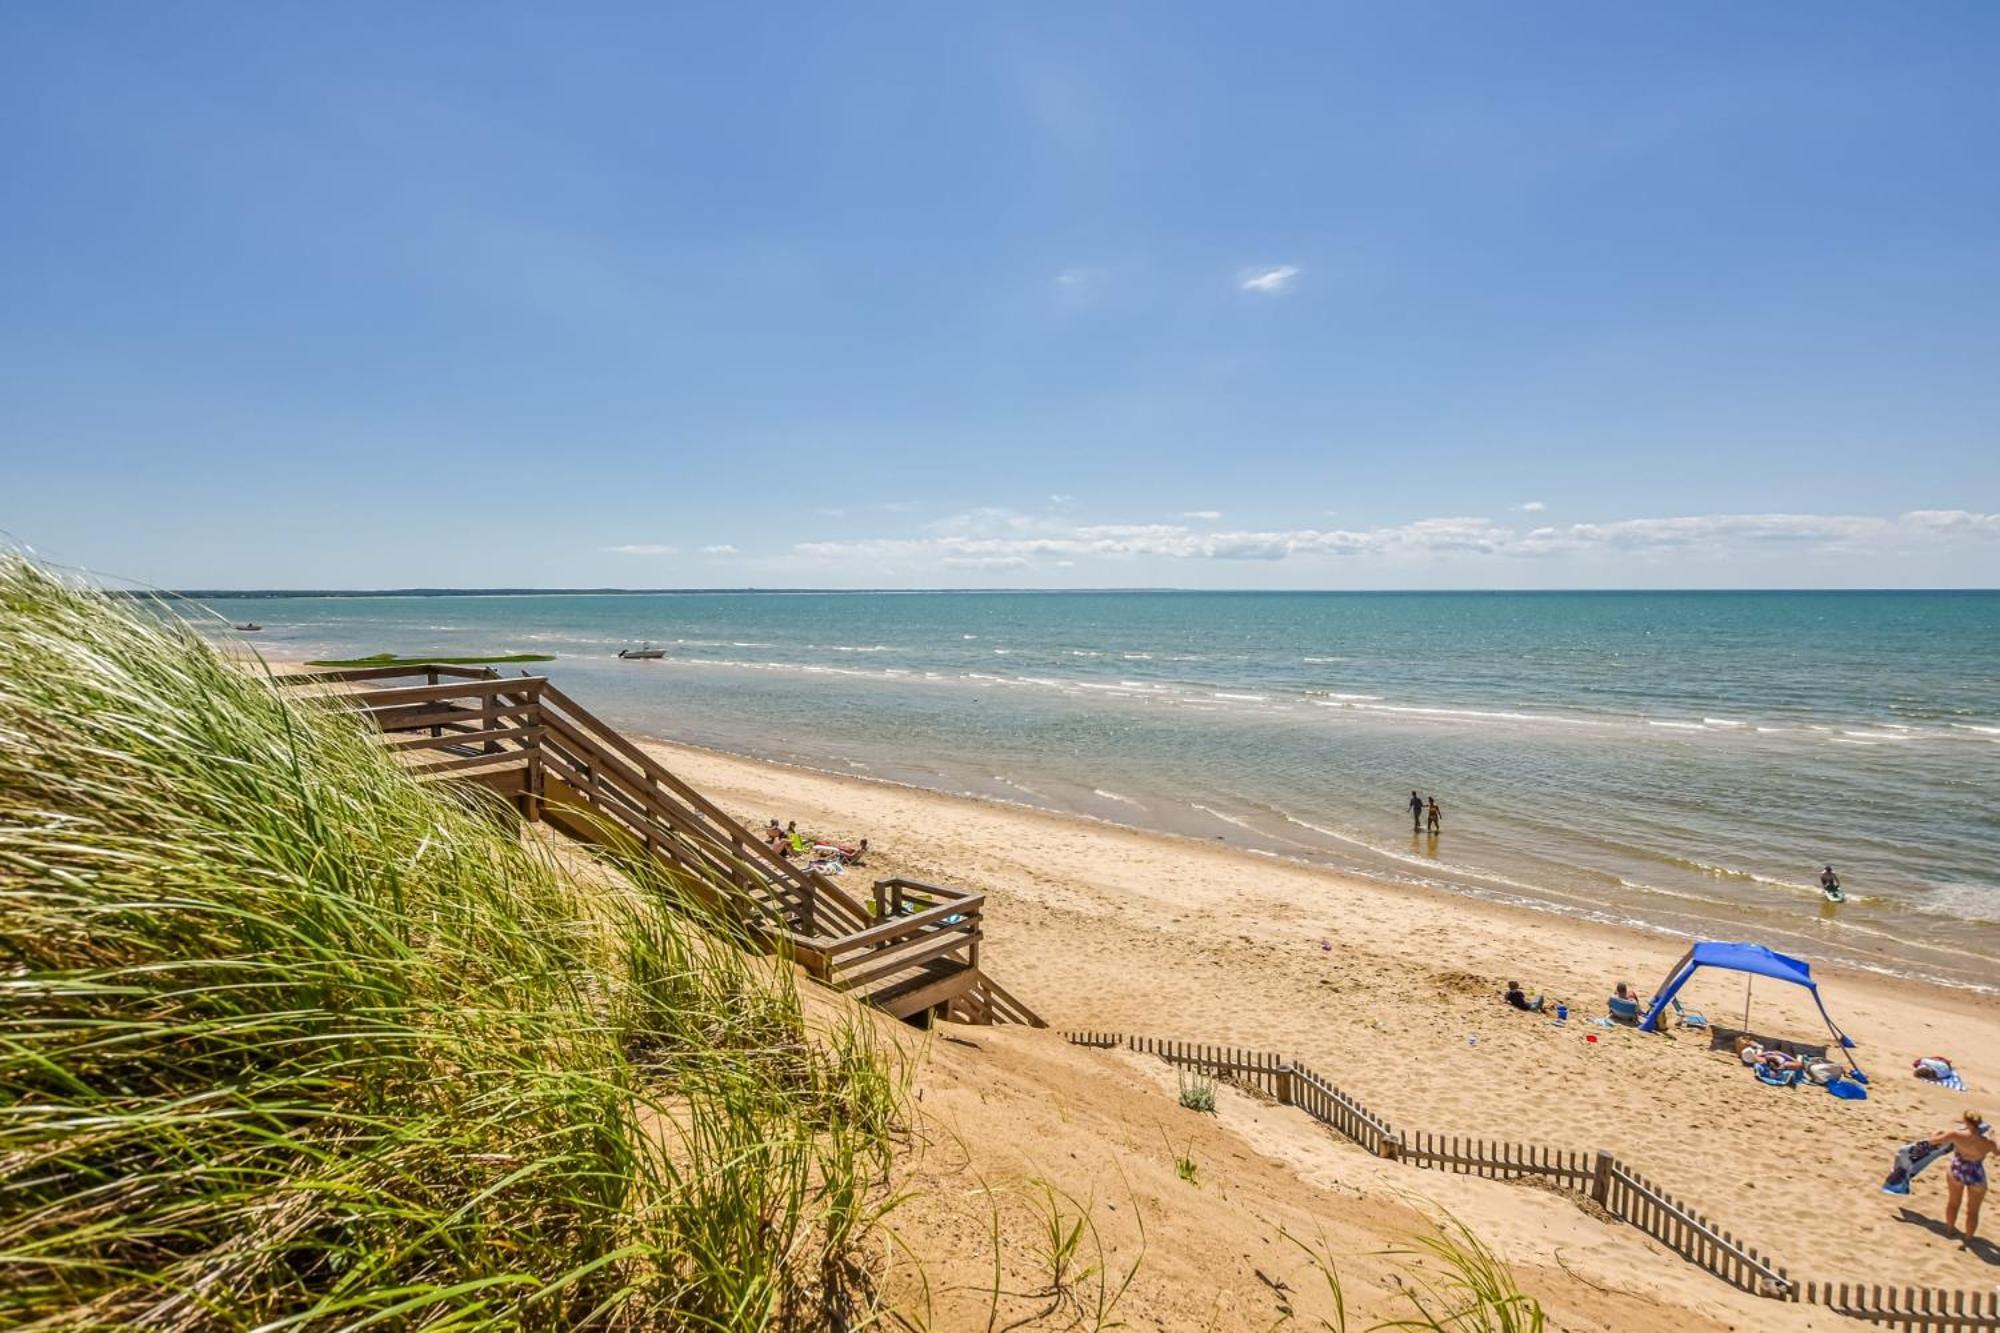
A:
x: 1684, y: 760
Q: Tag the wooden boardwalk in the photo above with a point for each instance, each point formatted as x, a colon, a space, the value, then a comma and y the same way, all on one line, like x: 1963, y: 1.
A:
x: 912, y: 950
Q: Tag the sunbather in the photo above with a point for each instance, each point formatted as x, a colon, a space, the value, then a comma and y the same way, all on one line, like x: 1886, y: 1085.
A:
x: 1623, y: 1004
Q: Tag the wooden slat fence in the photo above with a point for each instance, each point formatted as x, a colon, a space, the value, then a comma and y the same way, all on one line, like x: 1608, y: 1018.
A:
x: 1616, y: 1187
x: 1930, y: 1309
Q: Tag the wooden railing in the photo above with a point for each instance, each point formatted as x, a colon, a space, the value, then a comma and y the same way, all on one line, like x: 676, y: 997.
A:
x: 561, y: 764
x: 1617, y: 1188
x: 906, y: 941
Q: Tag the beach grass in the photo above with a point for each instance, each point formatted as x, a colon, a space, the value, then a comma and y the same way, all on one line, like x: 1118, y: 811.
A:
x: 393, y: 659
x: 291, y: 1041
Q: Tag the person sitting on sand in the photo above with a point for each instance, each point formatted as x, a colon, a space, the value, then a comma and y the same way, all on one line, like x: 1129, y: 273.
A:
x: 1519, y: 999
x: 1623, y: 1004
x: 1432, y: 816
x: 1971, y: 1144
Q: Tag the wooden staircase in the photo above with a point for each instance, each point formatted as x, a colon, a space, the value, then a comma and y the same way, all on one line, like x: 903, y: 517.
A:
x: 913, y: 951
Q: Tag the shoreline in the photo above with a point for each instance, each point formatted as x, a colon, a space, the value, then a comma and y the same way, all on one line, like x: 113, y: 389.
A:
x: 1616, y: 927
x: 1566, y: 907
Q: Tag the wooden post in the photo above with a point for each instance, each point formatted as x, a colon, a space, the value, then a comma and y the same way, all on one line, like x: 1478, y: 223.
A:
x: 431, y: 675
x: 531, y: 798
x: 1285, y: 1084
x: 1600, y: 1181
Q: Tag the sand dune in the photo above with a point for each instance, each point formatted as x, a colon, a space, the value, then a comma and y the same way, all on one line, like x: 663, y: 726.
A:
x: 1103, y: 927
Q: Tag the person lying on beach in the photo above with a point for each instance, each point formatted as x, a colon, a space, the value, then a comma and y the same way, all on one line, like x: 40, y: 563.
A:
x: 1519, y: 999
x: 841, y: 851
x: 1971, y: 1144
x: 1936, y: 1069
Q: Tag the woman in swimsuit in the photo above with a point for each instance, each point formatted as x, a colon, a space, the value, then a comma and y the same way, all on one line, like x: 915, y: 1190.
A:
x: 1970, y: 1147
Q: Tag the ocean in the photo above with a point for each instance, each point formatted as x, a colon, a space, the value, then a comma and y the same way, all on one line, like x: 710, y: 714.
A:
x: 1682, y: 761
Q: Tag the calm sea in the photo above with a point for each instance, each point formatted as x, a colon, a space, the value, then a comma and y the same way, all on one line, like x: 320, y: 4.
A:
x: 1683, y: 760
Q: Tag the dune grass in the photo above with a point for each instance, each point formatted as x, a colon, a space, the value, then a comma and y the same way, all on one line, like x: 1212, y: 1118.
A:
x: 289, y: 1041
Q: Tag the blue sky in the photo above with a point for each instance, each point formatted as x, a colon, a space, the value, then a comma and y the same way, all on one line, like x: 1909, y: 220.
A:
x: 1401, y: 295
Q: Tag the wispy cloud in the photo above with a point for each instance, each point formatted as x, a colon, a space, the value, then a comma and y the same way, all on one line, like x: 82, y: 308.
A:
x: 1204, y: 515
x: 643, y: 548
x: 1531, y: 507
x: 992, y: 537
x: 1074, y: 278
x: 724, y: 549
x: 1271, y: 281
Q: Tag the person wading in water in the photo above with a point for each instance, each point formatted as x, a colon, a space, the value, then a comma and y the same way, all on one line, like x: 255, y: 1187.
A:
x: 1433, y: 817
x: 1416, y: 813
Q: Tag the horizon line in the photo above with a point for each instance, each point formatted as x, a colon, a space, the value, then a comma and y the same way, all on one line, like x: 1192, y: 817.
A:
x: 195, y: 594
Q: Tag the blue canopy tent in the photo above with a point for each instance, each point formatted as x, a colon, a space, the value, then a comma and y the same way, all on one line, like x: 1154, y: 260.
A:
x: 1751, y: 958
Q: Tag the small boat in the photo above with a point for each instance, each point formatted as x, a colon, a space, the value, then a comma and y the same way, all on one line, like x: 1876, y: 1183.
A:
x: 249, y: 627
x: 644, y: 653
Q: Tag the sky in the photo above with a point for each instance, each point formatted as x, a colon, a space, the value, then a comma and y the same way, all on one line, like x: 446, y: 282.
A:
x: 1401, y: 295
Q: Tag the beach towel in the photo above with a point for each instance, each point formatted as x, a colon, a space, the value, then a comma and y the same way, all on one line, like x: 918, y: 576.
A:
x: 1777, y: 1078
x: 1911, y: 1159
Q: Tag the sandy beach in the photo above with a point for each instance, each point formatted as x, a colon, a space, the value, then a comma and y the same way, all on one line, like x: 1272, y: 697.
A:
x: 1394, y: 993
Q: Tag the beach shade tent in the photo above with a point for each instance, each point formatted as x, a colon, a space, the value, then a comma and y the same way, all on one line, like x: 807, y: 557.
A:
x: 1754, y: 959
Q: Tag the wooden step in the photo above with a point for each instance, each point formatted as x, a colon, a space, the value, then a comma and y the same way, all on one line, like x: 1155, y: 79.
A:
x: 925, y: 987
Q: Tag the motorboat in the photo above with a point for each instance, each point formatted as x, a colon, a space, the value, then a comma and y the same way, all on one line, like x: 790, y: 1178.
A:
x: 643, y: 653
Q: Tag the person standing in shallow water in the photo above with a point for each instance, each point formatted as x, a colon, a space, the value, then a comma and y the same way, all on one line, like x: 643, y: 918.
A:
x: 1416, y: 813
x: 1433, y: 817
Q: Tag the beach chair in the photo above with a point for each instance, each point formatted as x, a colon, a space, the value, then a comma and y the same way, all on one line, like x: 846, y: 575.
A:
x: 1623, y: 1010
x: 1689, y: 1018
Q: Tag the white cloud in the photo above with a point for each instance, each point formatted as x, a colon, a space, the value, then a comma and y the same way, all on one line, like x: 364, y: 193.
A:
x: 724, y: 549
x: 1271, y: 281
x: 643, y: 548
x: 1205, y: 515
x: 1074, y: 278
x: 991, y: 538
x: 1531, y: 507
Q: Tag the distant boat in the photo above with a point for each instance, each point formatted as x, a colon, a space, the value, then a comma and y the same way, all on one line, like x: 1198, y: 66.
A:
x: 249, y: 627
x: 645, y: 653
